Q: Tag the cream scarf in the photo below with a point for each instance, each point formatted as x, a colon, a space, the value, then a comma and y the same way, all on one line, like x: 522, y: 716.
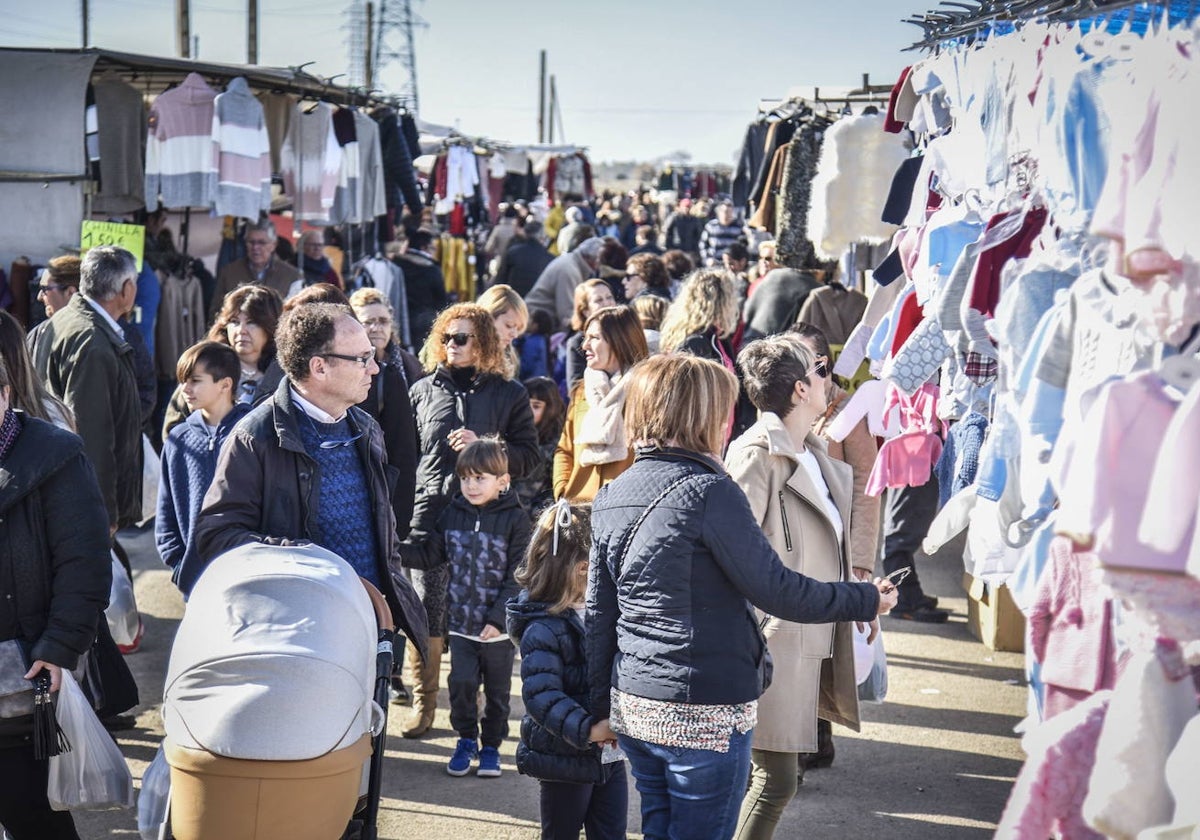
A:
x: 601, y: 435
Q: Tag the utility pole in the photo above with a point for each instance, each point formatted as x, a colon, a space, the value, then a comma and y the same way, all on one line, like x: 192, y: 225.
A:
x: 368, y: 57
x: 85, y: 15
x: 542, y: 99
x: 252, y: 31
x: 553, y: 106
x: 183, y: 24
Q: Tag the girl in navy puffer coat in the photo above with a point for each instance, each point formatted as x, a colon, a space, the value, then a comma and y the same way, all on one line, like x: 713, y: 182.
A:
x: 560, y: 739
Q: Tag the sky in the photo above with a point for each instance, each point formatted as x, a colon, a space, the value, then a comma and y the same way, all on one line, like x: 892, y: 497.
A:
x: 637, y: 79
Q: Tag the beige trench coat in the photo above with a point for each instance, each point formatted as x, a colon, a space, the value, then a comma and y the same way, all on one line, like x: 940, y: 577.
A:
x: 814, y: 663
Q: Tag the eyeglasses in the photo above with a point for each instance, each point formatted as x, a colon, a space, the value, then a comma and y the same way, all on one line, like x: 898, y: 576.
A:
x: 51, y: 287
x: 822, y: 367
x: 459, y: 339
x: 258, y: 243
x: 363, y: 360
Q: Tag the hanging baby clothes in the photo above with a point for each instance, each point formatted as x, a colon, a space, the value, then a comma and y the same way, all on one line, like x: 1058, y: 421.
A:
x: 311, y: 159
x: 462, y: 175
x: 121, y: 117
x: 907, y: 459
x: 243, y: 152
x: 1070, y: 630
x: 1110, y: 470
x: 179, y: 157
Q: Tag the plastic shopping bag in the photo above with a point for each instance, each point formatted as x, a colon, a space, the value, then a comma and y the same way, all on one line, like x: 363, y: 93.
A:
x: 154, y: 797
x: 871, y: 661
x: 151, y: 475
x: 122, y: 612
x: 93, y: 774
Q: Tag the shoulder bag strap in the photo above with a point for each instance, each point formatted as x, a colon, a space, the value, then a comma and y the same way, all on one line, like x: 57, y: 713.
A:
x: 642, y: 518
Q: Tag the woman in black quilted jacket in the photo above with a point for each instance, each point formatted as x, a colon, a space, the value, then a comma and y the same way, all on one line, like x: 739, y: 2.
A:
x: 55, y: 575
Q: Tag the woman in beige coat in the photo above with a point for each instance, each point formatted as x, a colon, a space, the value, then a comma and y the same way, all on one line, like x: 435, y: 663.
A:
x: 801, y: 497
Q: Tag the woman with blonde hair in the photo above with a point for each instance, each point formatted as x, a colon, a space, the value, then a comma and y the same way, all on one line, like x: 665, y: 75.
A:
x: 590, y: 296
x: 676, y: 662
x: 700, y: 322
x: 651, y: 309
x: 466, y: 395
x: 593, y: 449
x: 511, y: 317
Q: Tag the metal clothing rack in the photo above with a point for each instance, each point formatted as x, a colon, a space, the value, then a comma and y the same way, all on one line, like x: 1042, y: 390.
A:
x: 968, y: 20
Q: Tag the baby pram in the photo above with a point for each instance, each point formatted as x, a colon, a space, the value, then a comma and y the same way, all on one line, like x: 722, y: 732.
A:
x: 276, y: 697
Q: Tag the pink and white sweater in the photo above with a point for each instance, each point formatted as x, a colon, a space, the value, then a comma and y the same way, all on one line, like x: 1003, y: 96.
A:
x: 181, y: 165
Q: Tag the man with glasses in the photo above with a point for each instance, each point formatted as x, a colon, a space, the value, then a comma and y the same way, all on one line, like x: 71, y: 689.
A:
x: 258, y: 266
x: 59, y: 283
x: 308, y: 465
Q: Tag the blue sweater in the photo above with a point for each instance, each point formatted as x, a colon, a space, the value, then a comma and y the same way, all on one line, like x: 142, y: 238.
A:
x: 344, y: 518
x: 189, y: 460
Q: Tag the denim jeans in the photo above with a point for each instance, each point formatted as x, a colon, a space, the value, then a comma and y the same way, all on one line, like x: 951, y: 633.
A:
x: 689, y: 794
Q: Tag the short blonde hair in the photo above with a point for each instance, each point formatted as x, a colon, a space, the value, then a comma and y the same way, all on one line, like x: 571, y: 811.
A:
x: 650, y: 309
x: 679, y: 400
x: 368, y: 296
x: 500, y: 299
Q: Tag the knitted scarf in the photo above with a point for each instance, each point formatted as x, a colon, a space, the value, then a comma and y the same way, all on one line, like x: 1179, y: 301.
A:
x: 601, y: 435
x: 9, y: 429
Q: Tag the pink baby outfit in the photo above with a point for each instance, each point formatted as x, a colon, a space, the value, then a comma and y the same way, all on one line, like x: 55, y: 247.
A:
x: 1070, y: 629
x: 1110, y: 474
x: 907, y: 460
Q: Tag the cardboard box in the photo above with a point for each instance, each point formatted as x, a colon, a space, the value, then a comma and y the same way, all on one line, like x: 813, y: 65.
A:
x: 992, y: 617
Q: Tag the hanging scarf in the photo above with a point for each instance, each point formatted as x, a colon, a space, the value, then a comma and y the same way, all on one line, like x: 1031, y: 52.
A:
x: 601, y: 435
x: 9, y: 429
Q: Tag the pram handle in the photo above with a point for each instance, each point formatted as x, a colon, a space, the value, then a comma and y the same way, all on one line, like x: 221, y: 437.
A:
x: 383, y: 613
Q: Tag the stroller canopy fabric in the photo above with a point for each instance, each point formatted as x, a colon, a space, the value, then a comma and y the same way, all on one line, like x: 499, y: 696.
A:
x: 275, y: 657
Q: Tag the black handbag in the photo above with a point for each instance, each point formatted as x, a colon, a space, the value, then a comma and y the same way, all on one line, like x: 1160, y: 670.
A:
x: 107, y: 680
x: 16, y: 692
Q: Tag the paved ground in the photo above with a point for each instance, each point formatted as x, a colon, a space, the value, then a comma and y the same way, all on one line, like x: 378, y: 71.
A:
x: 935, y: 762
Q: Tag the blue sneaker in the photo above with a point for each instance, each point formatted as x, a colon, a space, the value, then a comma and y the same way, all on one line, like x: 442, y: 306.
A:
x: 460, y: 762
x: 489, y: 762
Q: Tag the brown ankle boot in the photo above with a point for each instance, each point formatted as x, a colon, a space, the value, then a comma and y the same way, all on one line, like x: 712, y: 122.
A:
x: 425, y: 678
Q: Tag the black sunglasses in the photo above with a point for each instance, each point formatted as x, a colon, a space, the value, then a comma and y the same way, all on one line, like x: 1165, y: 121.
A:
x: 50, y: 287
x: 459, y: 339
x: 822, y: 368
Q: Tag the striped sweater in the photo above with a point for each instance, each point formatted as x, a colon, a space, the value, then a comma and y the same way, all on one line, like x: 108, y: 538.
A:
x: 311, y: 159
x: 180, y: 164
x: 243, y: 153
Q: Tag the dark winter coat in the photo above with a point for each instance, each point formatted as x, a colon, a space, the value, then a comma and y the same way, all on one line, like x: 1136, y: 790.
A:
x: 673, y: 618
x: 391, y: 405
x: 775, y: 303
x: 704, y: 345
x: 424, y: 290
x: 682, y: 232
x: 55, y: 570
x: 522, y: 264
x: 265, y: 490
x: 482, y: 548
x: 91, y: 368
x: 554, y: 687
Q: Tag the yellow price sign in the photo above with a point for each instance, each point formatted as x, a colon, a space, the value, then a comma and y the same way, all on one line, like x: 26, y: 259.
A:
x: 130, y: 237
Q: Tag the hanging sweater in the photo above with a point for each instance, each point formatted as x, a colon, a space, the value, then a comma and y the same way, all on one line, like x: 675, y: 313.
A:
x: 344, y: 518
x: 180, y: 165
x: 310, y: 161
x: 347, y: 203
x: 243, y: 153
x: 371, y: 192
x: 121, y: 119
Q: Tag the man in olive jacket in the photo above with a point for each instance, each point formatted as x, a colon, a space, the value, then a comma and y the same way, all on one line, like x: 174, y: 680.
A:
x: 308, y: 465
x: 89, y: 366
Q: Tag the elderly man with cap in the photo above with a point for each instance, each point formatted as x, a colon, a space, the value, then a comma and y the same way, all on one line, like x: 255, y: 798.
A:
x: 554, y: 291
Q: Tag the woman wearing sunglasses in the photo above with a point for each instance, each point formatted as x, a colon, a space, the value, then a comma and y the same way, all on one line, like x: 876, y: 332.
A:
x: 467, y: 395
x: 801, y: 498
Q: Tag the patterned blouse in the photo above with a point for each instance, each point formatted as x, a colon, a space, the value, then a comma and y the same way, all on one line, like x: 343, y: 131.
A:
x: 689, y: 726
